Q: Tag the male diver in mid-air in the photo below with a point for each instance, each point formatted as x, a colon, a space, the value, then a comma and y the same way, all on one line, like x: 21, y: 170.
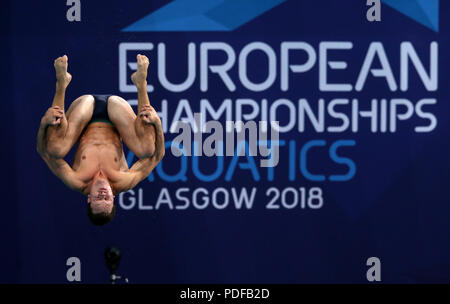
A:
x: 99, y: 123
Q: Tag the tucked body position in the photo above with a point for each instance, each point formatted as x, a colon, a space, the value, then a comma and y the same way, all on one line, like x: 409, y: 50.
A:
x: 100, y: 123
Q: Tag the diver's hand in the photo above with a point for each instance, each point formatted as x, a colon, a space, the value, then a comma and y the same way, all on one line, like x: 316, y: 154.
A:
x: 53, y: 116
x: 149, y: 116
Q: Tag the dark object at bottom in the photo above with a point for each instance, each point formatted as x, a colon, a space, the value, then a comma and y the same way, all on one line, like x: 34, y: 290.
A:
x: 112, y: 258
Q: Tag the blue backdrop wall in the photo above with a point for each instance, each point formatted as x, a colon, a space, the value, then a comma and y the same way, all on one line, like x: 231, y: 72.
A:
x: 369, y: 178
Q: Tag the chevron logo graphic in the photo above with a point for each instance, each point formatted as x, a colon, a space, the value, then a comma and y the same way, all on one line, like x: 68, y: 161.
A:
x: 228, y: 15
x: 426, y: 12
x: 202, y: 15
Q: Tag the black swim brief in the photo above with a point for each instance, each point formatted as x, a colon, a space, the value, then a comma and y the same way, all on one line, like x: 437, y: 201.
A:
x: 101, y: 109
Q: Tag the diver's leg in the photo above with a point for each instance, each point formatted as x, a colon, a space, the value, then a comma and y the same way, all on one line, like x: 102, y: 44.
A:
x: 62, y: 137
x: 55, y: 133
x: 136, y: 131
x: 60, y: 141
x: 62, y: 81
x: 124, y: 119
x: 139, y: 79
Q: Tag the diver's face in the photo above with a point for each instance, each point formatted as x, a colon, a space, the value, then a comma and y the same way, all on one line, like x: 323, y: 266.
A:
x: 101, y: 197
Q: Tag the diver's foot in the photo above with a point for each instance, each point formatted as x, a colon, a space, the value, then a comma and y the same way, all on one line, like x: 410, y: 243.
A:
x: 62, y: 77
x: 139, y: 77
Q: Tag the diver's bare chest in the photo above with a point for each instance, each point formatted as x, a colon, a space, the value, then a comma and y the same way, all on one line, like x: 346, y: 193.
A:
x: 91, y: 158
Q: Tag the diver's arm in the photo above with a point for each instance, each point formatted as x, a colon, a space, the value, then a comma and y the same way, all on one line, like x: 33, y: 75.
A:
x: 142, y: 167
x: 145, y: 132
x: 61, y: 169
x: 53, y: 117
x: 41, y: 149
x: 160, y: 148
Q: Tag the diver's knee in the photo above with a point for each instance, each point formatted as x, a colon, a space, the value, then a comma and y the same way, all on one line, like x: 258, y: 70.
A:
x: 119, y: 102
x: 56, y: 151
x: 145, y: 151
x: 87, y: 97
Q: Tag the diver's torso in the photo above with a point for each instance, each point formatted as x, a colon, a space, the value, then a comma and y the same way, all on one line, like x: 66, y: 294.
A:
x: 99, y: 148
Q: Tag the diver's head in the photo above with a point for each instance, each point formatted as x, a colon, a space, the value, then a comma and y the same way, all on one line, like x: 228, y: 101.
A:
x: 100, y: 207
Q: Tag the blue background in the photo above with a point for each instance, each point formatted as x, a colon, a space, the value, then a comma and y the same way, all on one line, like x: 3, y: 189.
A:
x: 395, y: 208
